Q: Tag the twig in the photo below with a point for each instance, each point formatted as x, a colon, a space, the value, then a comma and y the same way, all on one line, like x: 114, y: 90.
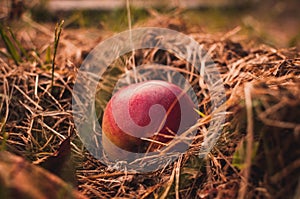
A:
x: 177, y: 177
x: 249, y: 138
x: 169, y: 184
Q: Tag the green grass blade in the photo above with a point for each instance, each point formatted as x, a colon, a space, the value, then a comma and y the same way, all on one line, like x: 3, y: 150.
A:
x: 239, y: 155
x: 199, y: 113
x: 58, y: 29
x: 22, y: 49
x: 12, y: 50
x: 4, y: 54
x: 48, y: 55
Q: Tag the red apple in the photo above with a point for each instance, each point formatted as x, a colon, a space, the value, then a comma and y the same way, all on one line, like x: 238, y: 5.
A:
x: 145, y: 117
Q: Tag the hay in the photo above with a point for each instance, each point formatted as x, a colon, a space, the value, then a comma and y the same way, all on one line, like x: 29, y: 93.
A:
x: 263, y: 99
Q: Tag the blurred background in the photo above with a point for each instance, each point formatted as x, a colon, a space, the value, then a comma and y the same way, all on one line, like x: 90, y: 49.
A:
x: 274, y: 22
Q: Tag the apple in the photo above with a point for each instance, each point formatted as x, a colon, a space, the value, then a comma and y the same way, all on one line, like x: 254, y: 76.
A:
x: 146, y: 116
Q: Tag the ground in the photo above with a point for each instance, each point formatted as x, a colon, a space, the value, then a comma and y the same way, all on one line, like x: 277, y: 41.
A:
x: 256, y: 156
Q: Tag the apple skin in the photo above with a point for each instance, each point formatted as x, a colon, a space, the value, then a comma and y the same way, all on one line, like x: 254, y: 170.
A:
x: 150, y: 109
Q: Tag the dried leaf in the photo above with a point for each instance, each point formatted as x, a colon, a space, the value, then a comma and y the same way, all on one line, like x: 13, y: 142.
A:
x: 61, y: 163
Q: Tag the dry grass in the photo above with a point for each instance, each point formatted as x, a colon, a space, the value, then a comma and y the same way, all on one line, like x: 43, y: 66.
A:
x: 263, y: 110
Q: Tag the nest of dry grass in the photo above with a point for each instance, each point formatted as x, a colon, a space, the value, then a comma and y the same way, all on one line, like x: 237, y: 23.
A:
x: 257, y: 155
